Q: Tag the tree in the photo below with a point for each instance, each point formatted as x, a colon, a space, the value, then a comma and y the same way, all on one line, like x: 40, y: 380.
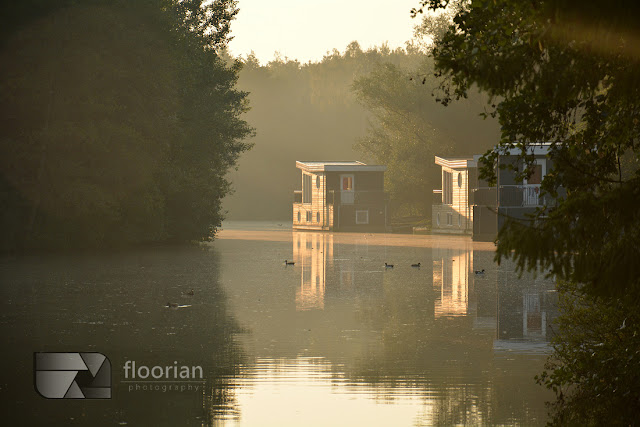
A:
x: 408, y: 129
x: 595, y: 367
x: 568, y: 73
x: 569, y: 78
x: 400, y: 138
x: 121, y: 128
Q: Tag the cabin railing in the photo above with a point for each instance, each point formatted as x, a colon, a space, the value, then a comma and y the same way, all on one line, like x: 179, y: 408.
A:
x: 437, y: 197
x: 354, y: 197
x: 523, y: 195
x: 484, y: 196
x: 373, y: 197
x: 369, y: 197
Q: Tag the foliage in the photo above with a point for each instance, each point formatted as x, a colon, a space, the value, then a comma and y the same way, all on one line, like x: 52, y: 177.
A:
x: 324, y: 116
x: 571, y: 78
x: 568, y: 73
x: 595, y: 367
x: 406, y: 131
x: 400, y: 138
x: 121, y: 129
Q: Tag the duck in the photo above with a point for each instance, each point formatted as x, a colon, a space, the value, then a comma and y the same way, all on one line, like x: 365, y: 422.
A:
x: 480, y: 272
x: 173, y: 305
x: 388, y: 265
x: 286, y: 262
x: 415, y: 265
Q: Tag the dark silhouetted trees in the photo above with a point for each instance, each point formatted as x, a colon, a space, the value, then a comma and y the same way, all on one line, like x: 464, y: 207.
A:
x: 120, y: 121
x: 568, y: 73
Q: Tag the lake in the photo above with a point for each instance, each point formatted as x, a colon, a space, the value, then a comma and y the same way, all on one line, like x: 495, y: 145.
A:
x: 335, y: 339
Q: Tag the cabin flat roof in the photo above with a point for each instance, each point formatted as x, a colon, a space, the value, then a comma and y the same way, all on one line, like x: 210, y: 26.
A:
x: 456, y: 162
x: 338, y: 166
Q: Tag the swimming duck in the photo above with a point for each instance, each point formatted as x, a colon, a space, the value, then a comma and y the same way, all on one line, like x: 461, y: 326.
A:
x: 388, y: 265
x: 289, y: 262
x: 415, y: 265
x: 479, y: 272
x: 173, y: 305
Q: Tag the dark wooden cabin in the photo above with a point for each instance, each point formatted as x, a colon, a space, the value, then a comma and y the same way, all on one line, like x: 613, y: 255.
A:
x: 340, y: 196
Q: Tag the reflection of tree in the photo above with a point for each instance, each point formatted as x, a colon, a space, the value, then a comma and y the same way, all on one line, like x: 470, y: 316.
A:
x: 428, y: 342
x: 114, y: 304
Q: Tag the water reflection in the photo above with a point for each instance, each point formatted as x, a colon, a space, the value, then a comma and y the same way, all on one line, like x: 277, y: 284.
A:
x: 337, y: 335
x: 114, y: 303
x: 312, y: 252
x: 451, y: 269
x: 335, y: 339
x: 526, y: 309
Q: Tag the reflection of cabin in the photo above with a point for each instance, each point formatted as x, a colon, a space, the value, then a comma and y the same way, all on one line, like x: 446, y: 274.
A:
x: 451, y: 268
x: 527, y: 306
x: 345, y: 196
x: 476, y: 208
x: 451, y: 212
x: 310, y: 253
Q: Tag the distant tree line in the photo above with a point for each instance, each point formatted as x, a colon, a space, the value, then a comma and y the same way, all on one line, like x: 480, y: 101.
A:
x: 352, y: 105
x: 120, y: 121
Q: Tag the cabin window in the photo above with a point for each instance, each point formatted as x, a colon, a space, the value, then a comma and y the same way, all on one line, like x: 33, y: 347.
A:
x: 447, y: 188
x: 299, y: 216
x: 317, y: 181
x: 309, y: 216
x: 306, y: 188
x: 437, y: 218
x: 459, y: 220
x: 347, y: 183
x: 449, y: 219
x: 459, y: 180
x: 536, y: 176
x: 538, y: 172
x: 362, y: 217
x: 317, y: 216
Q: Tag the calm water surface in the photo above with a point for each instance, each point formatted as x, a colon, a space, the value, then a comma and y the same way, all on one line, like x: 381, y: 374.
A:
x: 336, y: 339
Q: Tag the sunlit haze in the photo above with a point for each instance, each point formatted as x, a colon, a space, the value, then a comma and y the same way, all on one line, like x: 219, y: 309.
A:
x: 306, y: 31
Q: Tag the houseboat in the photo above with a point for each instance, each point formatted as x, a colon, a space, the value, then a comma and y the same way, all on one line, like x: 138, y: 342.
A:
x: 451, y: 212
x: 340, y: 196
x: 467, y: 204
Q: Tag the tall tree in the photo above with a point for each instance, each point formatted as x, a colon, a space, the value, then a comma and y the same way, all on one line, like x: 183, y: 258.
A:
x: 400, y: 137
x: 116, y: 113
x: 408, y: 129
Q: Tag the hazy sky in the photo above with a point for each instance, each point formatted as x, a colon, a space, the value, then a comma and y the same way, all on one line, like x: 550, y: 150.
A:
x: 306, y: 29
